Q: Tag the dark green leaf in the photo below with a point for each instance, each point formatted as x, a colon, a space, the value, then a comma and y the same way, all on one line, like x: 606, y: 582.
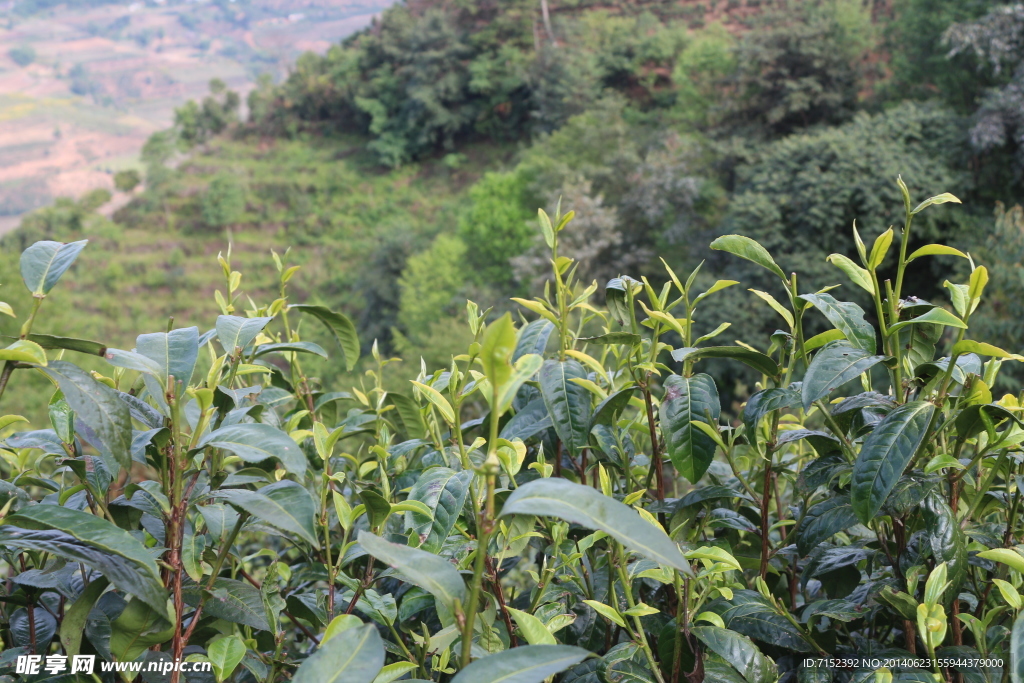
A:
x: 255, y: 442
x: 754, y: 359
x: 885, y: 455
x: 43, y: 263
x: 231, y: 600
x: 588, y: 507
x: 136, y: 629
x: 1016, y: 662
x: 409, y: 413
x: 81, y: 537
x: 846, y: 317
x: 764, y: 402
x: 607, y: 411
x: 752, y: 615
x: 99, y: 407
x: 432, y: 573
x: 49, y: 341
x: 353, y: 656
x: 833, y: 367
x: 689, y: 399
x: 533, y: 338
x: 339, y: 325
x: 529, y: 421
x: 526, y: 664
x: 946, y: 539
x: 568, y: 403
x: 236, y: 332
x: 613, y: 338
x: 823, y: 521
x: 285, y: 505
x: 175, y: 352
x: 285, y: 347
x: 72, y: 626
x: 444, y: 491
x: 740, y: 652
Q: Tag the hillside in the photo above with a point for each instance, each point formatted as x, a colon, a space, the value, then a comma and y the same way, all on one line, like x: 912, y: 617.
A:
x: 84, y: 84
x: 449, y: 125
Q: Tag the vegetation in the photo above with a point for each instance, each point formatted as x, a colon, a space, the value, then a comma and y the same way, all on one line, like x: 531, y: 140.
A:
x: 564, y: 496
x: 601, y: 460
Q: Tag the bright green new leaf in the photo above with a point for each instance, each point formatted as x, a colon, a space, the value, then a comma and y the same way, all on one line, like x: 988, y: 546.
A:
x: 609, y: 613
x: 531, y: 628
x: 496, y: 350
x: 439, y: 401
x: 1010, y: 558
x: 746, y: 248
x: 25, y: 351
x: 225, y: 654
x: 937, y: 199
x: 859, y: 276
x: 935, y: 250
x: 880, y: 248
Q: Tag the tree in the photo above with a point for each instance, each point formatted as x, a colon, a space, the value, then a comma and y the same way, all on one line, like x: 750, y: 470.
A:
x: 429, y: 285
x: 802, y: 65
x: 127, y: 180
x: 224, y: 201
x: 498, y: 224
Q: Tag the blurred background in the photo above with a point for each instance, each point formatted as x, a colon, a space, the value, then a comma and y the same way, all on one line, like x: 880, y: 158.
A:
x: 402, y: 150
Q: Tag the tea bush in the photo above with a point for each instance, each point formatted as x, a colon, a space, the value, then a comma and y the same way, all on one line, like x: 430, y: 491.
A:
x: 566, y: 499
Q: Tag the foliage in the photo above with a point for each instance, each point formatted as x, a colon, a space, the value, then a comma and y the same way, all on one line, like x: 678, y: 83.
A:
x: 566, y: 495
x: 804, y: 65
x: 127, y: 180
x: 195, y: 122
x: 497, y: 224
x: 224, y: 201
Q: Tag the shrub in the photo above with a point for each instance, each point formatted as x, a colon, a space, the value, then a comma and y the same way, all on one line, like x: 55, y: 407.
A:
x: 567, y: 495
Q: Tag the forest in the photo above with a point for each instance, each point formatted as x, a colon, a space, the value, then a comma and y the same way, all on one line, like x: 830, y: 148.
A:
x: 634, y: 341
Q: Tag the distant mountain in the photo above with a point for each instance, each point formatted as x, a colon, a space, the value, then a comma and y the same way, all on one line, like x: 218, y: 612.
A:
x: 84, y: 83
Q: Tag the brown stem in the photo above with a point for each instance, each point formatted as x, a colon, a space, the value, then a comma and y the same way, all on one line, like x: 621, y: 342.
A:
x: 309, y: 634
x: 363, y: 585
x: 910, y: 636
x: 659, y: 473
x: 492, y: 577
x: 766, y: 499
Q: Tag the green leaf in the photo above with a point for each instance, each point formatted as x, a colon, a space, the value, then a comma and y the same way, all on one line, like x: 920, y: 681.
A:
x: 833, y: 367
x: 965, y: 346
x: 236, y: 332
x: 523, y: 370
x: 409, y: 413
x: 613, y: 338
x: 937, y: 199
x: 533, y: 338
x: 439, y: 401
x: 25, y: 351
x: 846, y: 317
x: 938, y: 316
x: 444, y: 491
x: 175, y: 352
x: 432, y: 573
x: 859, y: 276
x: 608, y: 410
x: 776, y: 306
x: 99, y: 407
x: 885, y: 455
x: 137, y: 629
x: 746, y: 248
x: 880, y: 248
x: 231, y: 600
x: 73, y: 624
x: 1017, y: 650
x: 822, y: 521
x: 764, y: 402
x: 532, y: 628
x: 935, y: 250
x: 130, y: 360
x: 43, y: 263
x: 342, y: 328
x: 393, y: 672
x: 587, y: 507
x: 568, y: 403
x: 286, y: 347
x: 1011, y: 558
x: 606, y: 611
x: 81, y: 537
x: 754, y: 359
x: 285, y: 505
x: 225, y: 654
x: 49, y: 341
x: 255, y: 442
x: 496, y: 349
x: 740, y: 652
x: 526, y: 664
x: 355, y: 655
x: 687, y: 399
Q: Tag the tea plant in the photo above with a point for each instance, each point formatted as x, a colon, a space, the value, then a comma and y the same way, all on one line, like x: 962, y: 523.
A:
x: 567, y: 499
